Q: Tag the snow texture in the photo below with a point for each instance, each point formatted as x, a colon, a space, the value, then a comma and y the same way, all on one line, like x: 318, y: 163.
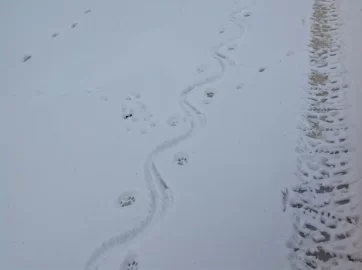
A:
x: 161, y: 135
x: 326, y: 202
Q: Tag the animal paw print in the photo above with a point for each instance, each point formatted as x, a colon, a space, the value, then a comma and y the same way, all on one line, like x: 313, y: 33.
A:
x: 232, y: 47
x: 173, y: 121
x: 127, y: 199
x: 181, y: 158
x: 130, y: 262
x: 222, y: 30
x: 200, y: 69
x: 247, y: 14
x: 209, y: 95
x: 239, y: 86
x: 26, y: 57
x: 262, y: 69
x: 136, y: 114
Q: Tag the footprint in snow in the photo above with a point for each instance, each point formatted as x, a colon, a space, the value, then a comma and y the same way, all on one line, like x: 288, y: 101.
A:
x: 209, y: 95
x: 74, y: 25
x: 222, y: 30
x: 127, y: 198
x: 136, y: 114
x: 200, y: 69
x: 247, y: 14
x: 130, y: 262
x: 87, y: 11
x: 181, y: 158
x: 262, y: 69
x: 173, y: 121
x: 126, y: 116
x: 26, y: 57
x: 239, y: 86
x: 232, y: 47
x: 55, y: 35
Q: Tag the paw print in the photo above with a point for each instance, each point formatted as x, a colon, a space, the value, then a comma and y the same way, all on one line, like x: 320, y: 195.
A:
x: 126, y: 199
x: 247, y: 14
x: 181, y: 159
x: 130, y: 262
x: 209, y: 95
x: 173, y: 121
x: 239, y: 86
x: 132, y: 265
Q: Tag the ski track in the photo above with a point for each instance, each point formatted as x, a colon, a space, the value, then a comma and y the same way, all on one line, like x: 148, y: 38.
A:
x: 195, y: 118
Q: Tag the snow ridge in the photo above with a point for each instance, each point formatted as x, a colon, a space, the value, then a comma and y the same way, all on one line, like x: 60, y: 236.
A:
x: 153, y: 178
x: 325, y: 204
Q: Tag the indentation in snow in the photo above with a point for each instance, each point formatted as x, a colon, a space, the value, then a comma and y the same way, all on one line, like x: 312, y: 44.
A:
x: 181, y: 158
x: 127, y: 198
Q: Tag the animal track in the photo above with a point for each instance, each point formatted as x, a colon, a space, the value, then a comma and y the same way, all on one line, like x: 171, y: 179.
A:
x: 174, y: 121
x: 181, y: 158
x: 127, y: 115
x: 127, y: 198
x: 159, y: 202
x: 56, y: 34
x: 130, y: 262
x: 262, y: 69
x: 239, y: 86
x: 136, y: 112
x: 201, y: 69
x: 222, y: 30
x: 26, y: 57
x: 210, y: 92
x: 247, y: 14
x: 232, y: 47
x: 209, y: 95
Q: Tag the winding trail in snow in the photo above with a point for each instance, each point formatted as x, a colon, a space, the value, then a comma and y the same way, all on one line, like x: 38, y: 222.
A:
x: 152, y: 176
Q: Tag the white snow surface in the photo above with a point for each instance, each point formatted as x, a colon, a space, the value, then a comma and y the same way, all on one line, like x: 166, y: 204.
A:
x: 193, y: 101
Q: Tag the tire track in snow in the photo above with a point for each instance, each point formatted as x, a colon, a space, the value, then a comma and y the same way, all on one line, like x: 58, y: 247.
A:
x: 152, y: 176
x: 326, y: 218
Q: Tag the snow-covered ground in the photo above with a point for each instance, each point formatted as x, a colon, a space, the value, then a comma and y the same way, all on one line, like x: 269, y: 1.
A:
x: 156, y: 134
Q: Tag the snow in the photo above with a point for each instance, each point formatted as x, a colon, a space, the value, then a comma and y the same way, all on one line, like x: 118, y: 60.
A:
x: 156, y: 135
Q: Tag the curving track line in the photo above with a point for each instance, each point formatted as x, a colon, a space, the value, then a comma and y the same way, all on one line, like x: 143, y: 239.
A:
x: 151, y: 174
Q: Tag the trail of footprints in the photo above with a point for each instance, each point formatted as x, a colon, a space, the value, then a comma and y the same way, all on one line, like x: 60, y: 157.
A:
x: 136, y: 114
x: 27, y: 57
x: 325, y: 202
x: 73, y: 25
